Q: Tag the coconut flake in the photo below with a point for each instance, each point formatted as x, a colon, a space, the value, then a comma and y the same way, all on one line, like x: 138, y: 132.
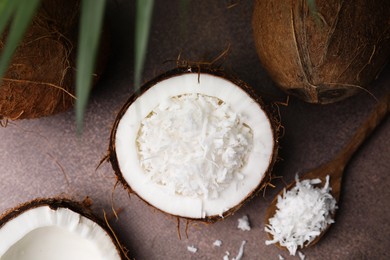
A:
x: 239, y: 255
x: 301, y: 255
x: 209, y: 141
x: 192, y: 249
x: 240, y: 252
x: 280, y: 257
x: 302, y: 214
x: 217, y: 243
x: 243, y: 223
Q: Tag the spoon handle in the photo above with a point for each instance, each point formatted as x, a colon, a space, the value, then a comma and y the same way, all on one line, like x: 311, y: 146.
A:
x: 379, y: 112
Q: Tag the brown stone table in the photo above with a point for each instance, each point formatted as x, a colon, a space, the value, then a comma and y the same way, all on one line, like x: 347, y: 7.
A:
x: 45, y: 157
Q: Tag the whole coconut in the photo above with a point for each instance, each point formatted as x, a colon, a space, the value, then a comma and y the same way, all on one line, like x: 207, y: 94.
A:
x: 322, y: 54
x: 40, y: 79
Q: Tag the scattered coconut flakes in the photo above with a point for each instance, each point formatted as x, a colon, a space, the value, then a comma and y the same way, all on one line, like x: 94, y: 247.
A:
x: 281, y: 257
x: 217, y: 243
x: 301, y: 255
x: 239, y: 255
x: 240, y: 252
x: 243, y: 223
x: 192, y: 249
x: 210, y: 141
x: 302, y: 213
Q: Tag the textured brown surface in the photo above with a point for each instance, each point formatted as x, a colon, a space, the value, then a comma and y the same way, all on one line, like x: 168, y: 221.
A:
x: 45, y: 157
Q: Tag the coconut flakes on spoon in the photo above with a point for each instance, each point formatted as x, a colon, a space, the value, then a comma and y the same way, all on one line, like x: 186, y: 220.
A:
x: 302, y: 214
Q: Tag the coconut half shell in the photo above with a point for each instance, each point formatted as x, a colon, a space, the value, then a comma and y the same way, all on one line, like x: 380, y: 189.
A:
x: 56, y: 229
x: 125, y: 150
x: 323, y: 55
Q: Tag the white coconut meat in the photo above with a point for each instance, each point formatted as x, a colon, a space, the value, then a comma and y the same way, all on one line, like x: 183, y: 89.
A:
x: 45, y: 234
x: 194, y: 148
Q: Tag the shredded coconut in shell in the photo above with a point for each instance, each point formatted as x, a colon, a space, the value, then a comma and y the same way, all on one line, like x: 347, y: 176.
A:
x: 194, y: 145
x: 302, y: 214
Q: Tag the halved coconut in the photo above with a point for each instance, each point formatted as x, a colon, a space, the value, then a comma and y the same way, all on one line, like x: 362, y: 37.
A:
x: 48, y: 229
x: 194, y: 144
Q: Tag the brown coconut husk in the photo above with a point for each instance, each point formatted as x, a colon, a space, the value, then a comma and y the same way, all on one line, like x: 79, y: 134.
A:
x: 326, y: 54
x: 272, y: 115
x: 40, y: 79
x: 82, y: 208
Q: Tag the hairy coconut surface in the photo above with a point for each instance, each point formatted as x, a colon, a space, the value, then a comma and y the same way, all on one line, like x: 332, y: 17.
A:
x: 40, y: 79
x: 187, y: 206
x: 325, y: 54
x: 30, y: 225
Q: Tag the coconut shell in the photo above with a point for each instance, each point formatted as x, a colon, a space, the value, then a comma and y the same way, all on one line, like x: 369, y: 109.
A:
x: 40, y: 79
x: 326, y: 54
x: 272, y: 115
x: 54, y: 203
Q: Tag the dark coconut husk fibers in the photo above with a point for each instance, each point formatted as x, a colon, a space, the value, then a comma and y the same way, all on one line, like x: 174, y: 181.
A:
x: 82, y: 208
x: 40, y: 79
x: 198, y: 69
x: 325, y: 53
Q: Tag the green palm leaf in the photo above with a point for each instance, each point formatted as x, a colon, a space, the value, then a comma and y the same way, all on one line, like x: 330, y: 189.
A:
x: 92, y: 12
x: 22, y: 12
x: 143, y: 20
x: 7, y: 8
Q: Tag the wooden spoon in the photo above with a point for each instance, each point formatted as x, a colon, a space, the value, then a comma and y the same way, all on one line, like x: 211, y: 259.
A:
x: 335, y: 168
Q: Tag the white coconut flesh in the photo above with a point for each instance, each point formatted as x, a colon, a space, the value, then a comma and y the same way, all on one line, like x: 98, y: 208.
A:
x: 194, y: 148
x: 45, y: 234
